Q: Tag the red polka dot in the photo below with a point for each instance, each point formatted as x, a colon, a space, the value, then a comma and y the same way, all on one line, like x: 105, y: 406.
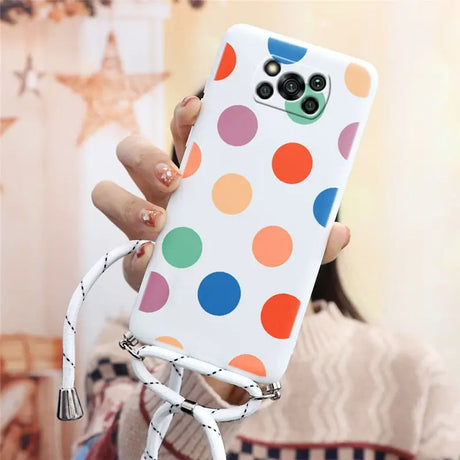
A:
x: 227, y: 63
x: 292, y: 163
x: 278, y: 315
x: 193, y: 161
x: 249, y: 363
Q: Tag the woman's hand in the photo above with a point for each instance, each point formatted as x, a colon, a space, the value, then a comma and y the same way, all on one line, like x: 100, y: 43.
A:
x: 157, y: 178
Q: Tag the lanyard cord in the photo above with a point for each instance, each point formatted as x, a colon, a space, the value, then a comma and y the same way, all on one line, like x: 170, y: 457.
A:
x: 69, y: 407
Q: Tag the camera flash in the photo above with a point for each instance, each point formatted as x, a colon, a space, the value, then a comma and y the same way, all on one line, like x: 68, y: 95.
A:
x: 272, y: 68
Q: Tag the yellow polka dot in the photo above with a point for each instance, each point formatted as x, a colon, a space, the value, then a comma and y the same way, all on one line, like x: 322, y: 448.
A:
x: 358, y: 80
x: 232, y: 194
x: 170, y: 341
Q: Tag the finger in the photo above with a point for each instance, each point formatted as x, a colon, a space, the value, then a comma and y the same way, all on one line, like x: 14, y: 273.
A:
x: 135, y: 264
x: 338, y: 239
x: 135, y: 217
x: 151, y: 169
x: 185, y: 115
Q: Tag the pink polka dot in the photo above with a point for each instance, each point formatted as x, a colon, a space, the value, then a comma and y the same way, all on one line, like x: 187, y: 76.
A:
x: 156, y: 293
x: 346, y: 139
x: 237, y: 125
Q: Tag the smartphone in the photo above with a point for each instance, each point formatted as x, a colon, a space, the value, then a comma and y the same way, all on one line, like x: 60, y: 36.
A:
x: 264, y: 171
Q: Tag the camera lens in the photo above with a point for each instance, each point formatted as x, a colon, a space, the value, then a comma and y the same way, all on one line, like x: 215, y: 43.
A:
x: 272, y: 68
x: 265, y: 90
x: 317, y: 82
x: 310, y: 105
x: 291, y: 86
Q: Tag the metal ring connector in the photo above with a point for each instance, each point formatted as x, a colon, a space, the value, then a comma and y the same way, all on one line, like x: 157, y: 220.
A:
x: 131, y: 345
x: 272, y: 391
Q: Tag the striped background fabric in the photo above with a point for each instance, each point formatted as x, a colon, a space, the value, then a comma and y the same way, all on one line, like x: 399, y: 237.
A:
x: 244, y: 449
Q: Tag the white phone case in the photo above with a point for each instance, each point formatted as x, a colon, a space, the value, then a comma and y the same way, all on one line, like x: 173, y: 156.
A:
x: 235, y: 265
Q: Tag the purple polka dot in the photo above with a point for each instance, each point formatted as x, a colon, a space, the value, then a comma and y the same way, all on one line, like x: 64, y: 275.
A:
x: 237, y: 125
x: 346, y: 139
x: 156, y: 293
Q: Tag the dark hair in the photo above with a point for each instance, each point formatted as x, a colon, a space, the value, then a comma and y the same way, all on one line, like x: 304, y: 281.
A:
x: 328, y: 285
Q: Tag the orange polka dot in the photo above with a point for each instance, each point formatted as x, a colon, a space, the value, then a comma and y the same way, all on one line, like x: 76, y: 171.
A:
x: 170, y: 341
x: 272, y: 246
x: 249, y: 363
x: 232, y: 193
x: 358, y: 80
x: 292, y: 163
x: 227, y: 63
x: 278, y: 315
x: 193, y: 162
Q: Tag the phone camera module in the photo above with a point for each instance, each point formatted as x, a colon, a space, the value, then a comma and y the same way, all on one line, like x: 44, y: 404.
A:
x: 265, y: 90
x: 310, y: 105
x: 272, y: 68
x: 317, y: 82
x: 291, y: 86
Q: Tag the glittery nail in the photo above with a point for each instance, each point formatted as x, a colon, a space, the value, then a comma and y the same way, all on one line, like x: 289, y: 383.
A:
x: 150, y: 217
x: 166, y: 174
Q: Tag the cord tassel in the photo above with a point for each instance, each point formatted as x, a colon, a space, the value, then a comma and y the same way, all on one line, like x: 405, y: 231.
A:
x: 69, y: 407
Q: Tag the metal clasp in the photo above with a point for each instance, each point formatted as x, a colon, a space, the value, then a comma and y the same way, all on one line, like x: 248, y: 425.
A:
x: 271, y: 391
x: 187, y: 406
x: 131, y: 345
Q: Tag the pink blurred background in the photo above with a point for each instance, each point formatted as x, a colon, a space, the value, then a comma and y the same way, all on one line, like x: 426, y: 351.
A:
x: 402, y: 201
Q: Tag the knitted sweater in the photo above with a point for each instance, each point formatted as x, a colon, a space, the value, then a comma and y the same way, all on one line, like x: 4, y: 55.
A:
x: 351, y: 391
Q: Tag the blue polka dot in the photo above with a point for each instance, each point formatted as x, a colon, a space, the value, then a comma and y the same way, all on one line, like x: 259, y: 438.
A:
x: 285, y: 52
x: 219, y: 293
x: 323, y: 205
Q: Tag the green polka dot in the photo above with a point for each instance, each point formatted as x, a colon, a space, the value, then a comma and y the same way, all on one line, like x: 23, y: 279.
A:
x: 182, y: 247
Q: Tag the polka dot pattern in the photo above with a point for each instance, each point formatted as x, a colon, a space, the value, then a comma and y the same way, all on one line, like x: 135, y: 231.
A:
x: 278, y: 315
x: 155, y: 294
x: 272, y: 246
x: 170, y: 341
x: 232, y: 194
x: 249, y: 363
x: 292, y: 163
x: 257, y: 180
x: 358, y: 80
x: 237, y: 125
x: 346, y: 139
x: 323, y: 205
x: 219, y: 293
x: 182, y: 247
x: 284, y: 52
x: 227, y: 63
x: 193, y: 162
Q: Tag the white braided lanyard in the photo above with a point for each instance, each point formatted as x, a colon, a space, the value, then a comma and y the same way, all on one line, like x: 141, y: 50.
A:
x: 69, y: 407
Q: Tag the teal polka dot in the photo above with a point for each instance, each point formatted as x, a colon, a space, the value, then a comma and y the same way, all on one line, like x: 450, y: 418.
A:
x: 182, y: 247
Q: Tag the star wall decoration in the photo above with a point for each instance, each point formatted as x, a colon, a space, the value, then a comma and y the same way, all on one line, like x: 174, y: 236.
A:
x: 110, y: 94
x: 29, y: 78
x: 5, y: 123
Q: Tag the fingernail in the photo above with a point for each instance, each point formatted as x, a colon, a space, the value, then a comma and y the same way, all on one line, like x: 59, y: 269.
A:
x: 186, y: 100
x: 141, y: 251
x: 166, y: 174
x: 347, y: 240
x: 151, y: 217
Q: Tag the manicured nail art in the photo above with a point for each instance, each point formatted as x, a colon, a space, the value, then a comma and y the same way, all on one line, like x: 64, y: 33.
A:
x: 141, y: 251
x: 166, y: 174
x: 186, y: 100
x: 150, y: 217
